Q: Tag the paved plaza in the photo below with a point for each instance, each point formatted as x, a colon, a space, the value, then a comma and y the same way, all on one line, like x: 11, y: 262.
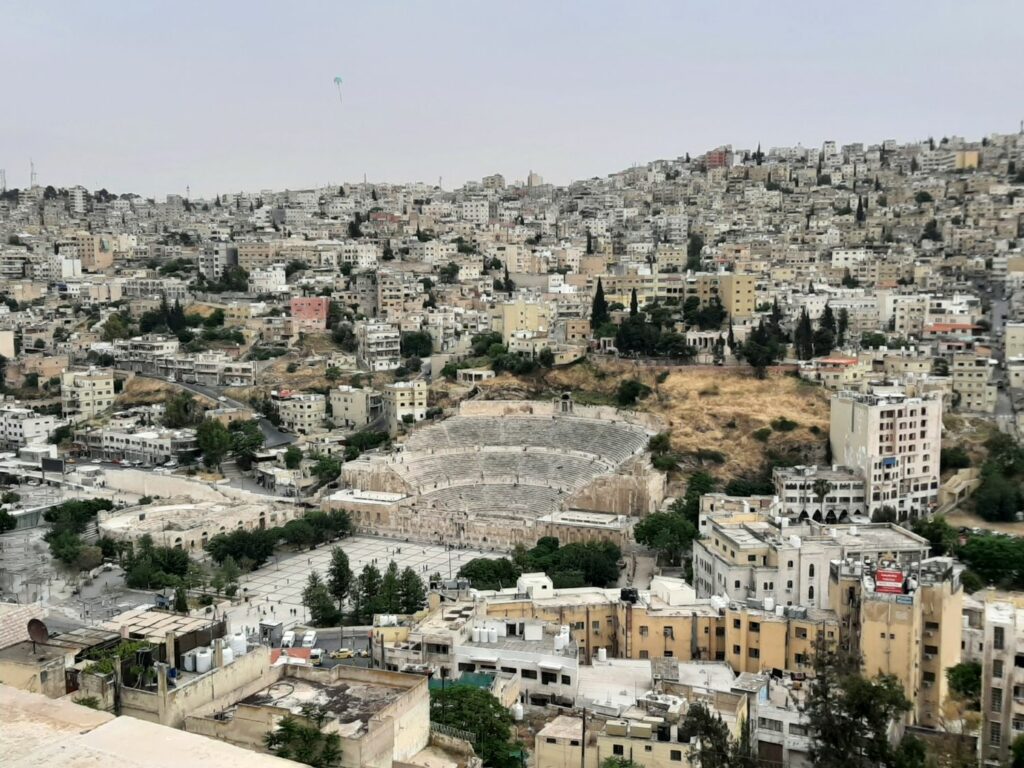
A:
x: 275, y: 590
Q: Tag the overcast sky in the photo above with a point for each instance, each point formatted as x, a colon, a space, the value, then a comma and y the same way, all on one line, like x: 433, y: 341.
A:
x: 152, y: 96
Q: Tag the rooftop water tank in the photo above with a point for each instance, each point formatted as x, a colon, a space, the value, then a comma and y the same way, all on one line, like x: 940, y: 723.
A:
x: 517, y: 712
x: 559, y: 642
x: 476, y: 634
x: 492, y: 635
x: 602, y: 654
x: 204, y: 660
x: 189, y: 660
x: 238, y: 644
x: 227, y: 655
x: 769, y: 604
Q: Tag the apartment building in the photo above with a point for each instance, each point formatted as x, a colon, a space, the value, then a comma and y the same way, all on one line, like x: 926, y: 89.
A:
x: 20, y: 426
x: 214, y: 369
x: 354, y: 407
x: 1014, y: 340
x: 756, y: 555
x: 1002, y: 677
x: 85, y: 394
x: 405, y: 402
x: 894, y: 442
x: 378, y: 346
x: 906, y: 620
x: 147, y: 445
x: 215, y: 258
x: 515, y: 317
x: 974, y: 385
x: 301, y: 413
x: 823, y: 494
x: 273, y: 279
x: 309, y: 313
x: 143, y: 286
x: 257, y: 255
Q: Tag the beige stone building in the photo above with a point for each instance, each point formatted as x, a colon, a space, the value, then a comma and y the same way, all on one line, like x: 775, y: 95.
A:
x: 894, y: 441
x: 405, y: 402
x: 85, y: 394
x: 301, y: 413
x: 354, y: 407
x: 1002, y: 676
x: 974, y: 386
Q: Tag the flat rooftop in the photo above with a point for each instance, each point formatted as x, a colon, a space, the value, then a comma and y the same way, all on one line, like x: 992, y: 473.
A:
x: 27, y: 652
x: 184, y: 516
x: 351, y: 703
x: 155, y: 623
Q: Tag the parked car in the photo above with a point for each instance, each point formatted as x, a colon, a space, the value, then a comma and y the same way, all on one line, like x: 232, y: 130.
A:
x: 342, y: 653
x: 309, y: 640
x: 316, y: 657
x: 288, y: 639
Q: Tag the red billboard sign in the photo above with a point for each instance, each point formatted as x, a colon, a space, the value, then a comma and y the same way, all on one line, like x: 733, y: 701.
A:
x: 887, y: 580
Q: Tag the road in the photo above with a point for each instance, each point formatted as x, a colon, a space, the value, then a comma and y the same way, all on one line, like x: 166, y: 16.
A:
x: 272, y: 436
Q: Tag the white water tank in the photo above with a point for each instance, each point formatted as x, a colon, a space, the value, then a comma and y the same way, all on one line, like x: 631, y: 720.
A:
x: 794, y: 541
x: 476, y: 634
x: 559, y: 642
x: 204, y: 660
x: 602, y: 654
x: 492, y: 635
x: 238, y: 644
x: 189, y: 661
x: 564, y: 631
x: 517, y: 712
x: 227, y: 655
x: 769, y: 604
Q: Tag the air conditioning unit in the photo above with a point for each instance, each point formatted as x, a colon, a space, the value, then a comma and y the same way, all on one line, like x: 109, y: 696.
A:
x: 928, y: 657
x: 927, y: 684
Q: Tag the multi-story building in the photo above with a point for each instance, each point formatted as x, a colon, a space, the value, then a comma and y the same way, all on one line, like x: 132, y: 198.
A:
x: 755, y: 555
x: 301, y: 413
x: 20, y: 426
x: 353, y: 407
x: 974, y: 386
x: 904, y: 619
x: 379, y: 346
x: 823, y: 494
x: 309, y: 313
x: 142, y: 352
x: 405, y: 402
x: 272, y: 279
x: 1002, y: 677
x: 513, y: 317
x: 894, y: 442
x: 85, y: 394
x: 147, y: 445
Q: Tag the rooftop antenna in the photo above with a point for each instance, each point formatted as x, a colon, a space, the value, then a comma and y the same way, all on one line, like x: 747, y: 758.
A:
x: 188, y: 192
x: 32, y: 173
x: 37, y: 633
x: 3, y: 180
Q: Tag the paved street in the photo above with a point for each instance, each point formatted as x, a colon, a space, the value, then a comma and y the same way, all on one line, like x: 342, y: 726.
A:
x: 275, y: 591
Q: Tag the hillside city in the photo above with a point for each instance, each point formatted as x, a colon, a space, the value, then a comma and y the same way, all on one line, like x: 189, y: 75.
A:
x: 712, y: 461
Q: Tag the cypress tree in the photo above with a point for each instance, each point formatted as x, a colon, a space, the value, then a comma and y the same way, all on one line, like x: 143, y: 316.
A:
x: 599, y: 308
x: 633, y: 307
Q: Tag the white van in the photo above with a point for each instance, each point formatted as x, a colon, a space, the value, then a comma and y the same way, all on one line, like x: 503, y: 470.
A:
x: 309, y: 640
x: 288, y: 639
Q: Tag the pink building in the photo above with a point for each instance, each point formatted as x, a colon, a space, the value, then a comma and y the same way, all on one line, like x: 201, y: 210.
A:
x: 309, y: 313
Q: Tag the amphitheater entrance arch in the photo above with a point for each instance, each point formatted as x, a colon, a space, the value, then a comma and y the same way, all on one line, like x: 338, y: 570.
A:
x: 177, y: 543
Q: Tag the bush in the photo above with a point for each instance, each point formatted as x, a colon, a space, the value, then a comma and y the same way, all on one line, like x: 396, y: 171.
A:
x: 782, y: 424
x: 762, y: 434
x: 707, y: 454
x: 630, y: 391
x: 954, y: 458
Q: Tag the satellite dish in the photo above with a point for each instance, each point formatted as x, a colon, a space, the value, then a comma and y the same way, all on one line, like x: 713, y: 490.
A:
x: 37, y: 631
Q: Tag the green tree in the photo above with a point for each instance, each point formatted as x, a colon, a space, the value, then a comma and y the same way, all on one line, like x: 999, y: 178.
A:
x: 546, y: 357
x: 842, y: 325
x: 803, y: 342
x: 694, y: 247
x: 304, y: 740
x: 246, y: 439
x: 965, y: 681
x: 326, y: 468
x: 214, y: 442
x: 181, y: 410
x: 599, y: 308
x: 339, y: 576
x: 668, y: 532
x: 367, y: 594
x: 292, y: 457
x: 630, y: 390
x: 417, y: 344
x: 760, y: 350
x: 8, y: 522
x: 317, y: 599
x: 849, y: 715
x: 412, y: 595
x: 389, y: 589
x: 180, y: 599
x: 486, y: 573
x: 477, y: 711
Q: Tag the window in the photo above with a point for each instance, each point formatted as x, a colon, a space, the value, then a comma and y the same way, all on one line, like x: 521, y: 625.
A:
x: 929, y: 677
x: 675, y: 755
x: 617, y: 749
x: 644, y: 655
x: 509, y: 670
x: 996, y: 701
x: 810, y: 593
x: 755, y: 626
x: 810, y: 571
x: 997, y: 668
x: 547, y: 678
x: 596, y: 626
x: 997, y: 638
x: 736, y: 650
x: 797, y: 730
x: 1018, y: 661
x: 789, y: 564
x: 667, y: 632
x: 736, y: 584
x: 932, y: 625
x: 566, y: 680
x: 932, y: 650
x: 769, y: 724
x: 754, y: 653
x: 800, y: 633
x: 643, y: 630
x: 528, y: 674
x: 735, y: 623
x: 549, y: 740
x: 719, y: 631
x: 995, y: 736
x: 466, y: 667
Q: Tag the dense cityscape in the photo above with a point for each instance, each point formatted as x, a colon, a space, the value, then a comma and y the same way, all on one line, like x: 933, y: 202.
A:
x: 711, y: 461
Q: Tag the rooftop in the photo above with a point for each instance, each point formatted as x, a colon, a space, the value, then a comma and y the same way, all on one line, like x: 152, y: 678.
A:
x: 352, y: 703
x: 151, y: 622
x: 27, y: 652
